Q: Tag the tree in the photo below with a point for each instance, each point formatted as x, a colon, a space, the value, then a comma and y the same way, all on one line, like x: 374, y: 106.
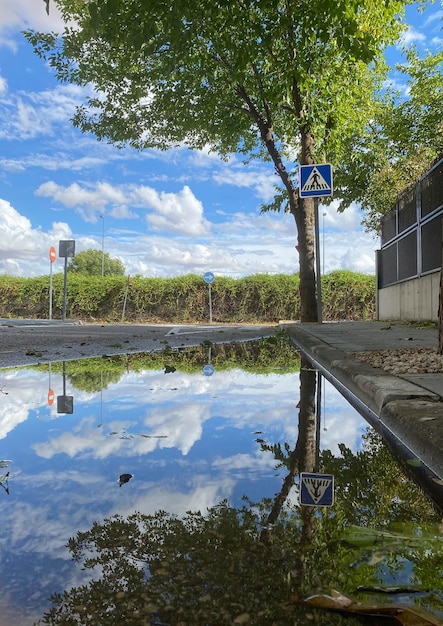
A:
x: 404, y: 136
x: 92, y: 262
x: 403, y: 139
x: 266, y: 78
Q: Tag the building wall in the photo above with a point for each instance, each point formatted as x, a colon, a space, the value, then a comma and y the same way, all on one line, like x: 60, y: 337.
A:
x: 415, y: 300
x: 410, y: 258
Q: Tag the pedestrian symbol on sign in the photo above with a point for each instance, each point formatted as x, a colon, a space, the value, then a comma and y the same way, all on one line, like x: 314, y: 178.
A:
x: 316, y: 489
x: 315, y: 180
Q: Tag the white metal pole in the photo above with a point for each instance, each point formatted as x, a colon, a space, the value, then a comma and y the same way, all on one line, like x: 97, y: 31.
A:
x: 50, y: 290
x: 103, y: 244
x: 317, y: 261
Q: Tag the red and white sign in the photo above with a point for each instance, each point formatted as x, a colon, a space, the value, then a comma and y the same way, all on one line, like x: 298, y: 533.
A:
x: 52, y: 254
x: 51, y: 397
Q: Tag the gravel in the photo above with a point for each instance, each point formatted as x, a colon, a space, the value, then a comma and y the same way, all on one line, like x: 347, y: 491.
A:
x: 404, y: 361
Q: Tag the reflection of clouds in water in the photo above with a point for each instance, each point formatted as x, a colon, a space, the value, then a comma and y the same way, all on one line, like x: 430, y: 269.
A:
x: 168, y: 427
x: 39, y: 533
x: 155, y: 387
x: 246, y: 465
x: 252, y: 399
x: 137, y: 425
x: 340, y: 422
x: 24, y: 391
x: 177, y: 423
x: 258, y: 400
x: 71, y: 504
x: 202, y: 494
x: 21, y: 391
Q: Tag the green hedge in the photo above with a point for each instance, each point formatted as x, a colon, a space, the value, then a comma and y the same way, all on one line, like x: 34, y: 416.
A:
x: 256, y: 298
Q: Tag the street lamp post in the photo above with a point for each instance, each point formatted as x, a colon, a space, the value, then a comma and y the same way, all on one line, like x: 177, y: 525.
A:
x: 323, y: 241
x: 102, y: 217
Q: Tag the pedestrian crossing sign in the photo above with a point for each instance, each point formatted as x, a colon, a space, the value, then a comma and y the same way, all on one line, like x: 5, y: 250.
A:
x: 315, y: 180
x: 316, y: 489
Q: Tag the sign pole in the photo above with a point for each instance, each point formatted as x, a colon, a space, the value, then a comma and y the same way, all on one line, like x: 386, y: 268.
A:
x: 317, y: 264
x: 52, y: 256
x: 66, y: 248
x: 65, y: 288
x: 209, y: 277
x: 50, y: 291
x: 315, y: 181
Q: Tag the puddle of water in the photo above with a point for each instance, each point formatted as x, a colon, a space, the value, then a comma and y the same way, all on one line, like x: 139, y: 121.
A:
x: 202, y: 467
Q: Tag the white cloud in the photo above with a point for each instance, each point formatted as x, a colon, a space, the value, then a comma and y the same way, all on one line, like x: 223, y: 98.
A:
x: 262, y: 181
x: 18, y: 15
x: 412, y: 36
x: 178, y: 212
x: 28, y: 115
x: 3, y: 86
x: 21, y: 245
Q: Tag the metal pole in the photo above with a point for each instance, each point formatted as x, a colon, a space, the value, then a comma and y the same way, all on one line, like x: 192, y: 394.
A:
x: 323, y: 254
x: 103, y: 244
x: 317, y: 263
x: 125, y: 300
x: 210, y: 303
x: 50, y: 290
x: 65, y: 288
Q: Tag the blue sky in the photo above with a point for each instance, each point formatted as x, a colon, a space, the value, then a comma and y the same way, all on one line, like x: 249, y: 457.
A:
x: 165, y: 214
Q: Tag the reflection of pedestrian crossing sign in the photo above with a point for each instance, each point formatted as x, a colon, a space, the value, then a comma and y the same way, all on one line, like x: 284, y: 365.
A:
x: 315, y: 180
x: 316, y: 489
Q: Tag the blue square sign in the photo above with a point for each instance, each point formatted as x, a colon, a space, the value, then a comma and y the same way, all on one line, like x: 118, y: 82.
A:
x: 315, y: 180
x: 316, y: 489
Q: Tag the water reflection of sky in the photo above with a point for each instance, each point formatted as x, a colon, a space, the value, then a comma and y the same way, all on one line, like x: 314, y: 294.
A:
x: 189, y: 441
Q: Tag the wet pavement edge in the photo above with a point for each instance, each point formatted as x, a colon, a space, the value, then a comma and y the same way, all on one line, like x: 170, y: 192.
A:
x: 412, y: 412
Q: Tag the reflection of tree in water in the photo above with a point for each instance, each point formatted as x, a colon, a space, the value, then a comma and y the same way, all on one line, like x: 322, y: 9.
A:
x: 267, y: 355
x: 252, y: 565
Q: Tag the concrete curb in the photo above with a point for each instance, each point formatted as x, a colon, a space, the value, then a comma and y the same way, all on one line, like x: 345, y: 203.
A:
x: 373, y: 386
x: 413, y: 414
x: 419, y: 426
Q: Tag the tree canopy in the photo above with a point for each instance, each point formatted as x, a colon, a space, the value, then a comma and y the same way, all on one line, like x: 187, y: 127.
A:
x: 281, y: 80
x: 402, y: 139
x: 94, y: 263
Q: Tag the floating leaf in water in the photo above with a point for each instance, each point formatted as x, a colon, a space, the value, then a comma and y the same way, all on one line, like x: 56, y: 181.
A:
x: 414, y: 462
x: 122, y: 434
x: 124, y: 478
x: 364, y: 537
x: 402, y: 616
x: 4, y: 482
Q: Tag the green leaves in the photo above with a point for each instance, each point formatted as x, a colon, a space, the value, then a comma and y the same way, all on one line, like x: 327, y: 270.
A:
x: 200, y: 52
x: 403, y: 137
x: 95, y: 263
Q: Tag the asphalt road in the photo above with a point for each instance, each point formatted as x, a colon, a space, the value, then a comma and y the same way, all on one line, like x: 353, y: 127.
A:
x: 26, y: 342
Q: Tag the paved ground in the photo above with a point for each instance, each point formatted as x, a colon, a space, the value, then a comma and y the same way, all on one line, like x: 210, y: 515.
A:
x: 26, y: 342
x: 409, y: 406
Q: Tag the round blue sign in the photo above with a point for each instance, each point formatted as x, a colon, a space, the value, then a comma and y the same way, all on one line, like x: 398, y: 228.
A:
x: 208, y: 277
x: 208, y: 370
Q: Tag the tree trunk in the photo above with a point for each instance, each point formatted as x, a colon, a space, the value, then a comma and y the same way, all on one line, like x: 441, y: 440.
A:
x: 303, y: 210
x: 306, y: 247
x: 440, y: 307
